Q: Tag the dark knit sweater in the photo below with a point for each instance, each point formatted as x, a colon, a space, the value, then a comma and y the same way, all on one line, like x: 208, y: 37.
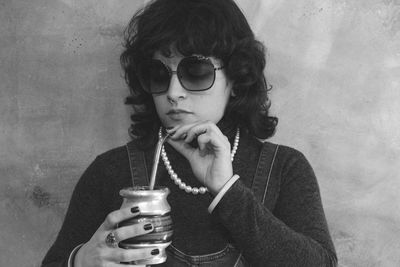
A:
x: 289, y: 230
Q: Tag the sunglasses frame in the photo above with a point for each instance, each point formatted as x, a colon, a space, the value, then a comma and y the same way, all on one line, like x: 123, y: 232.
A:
x: 171, y: 72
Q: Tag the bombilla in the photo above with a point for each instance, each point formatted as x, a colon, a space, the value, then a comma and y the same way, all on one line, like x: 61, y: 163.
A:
x: 156, y: 159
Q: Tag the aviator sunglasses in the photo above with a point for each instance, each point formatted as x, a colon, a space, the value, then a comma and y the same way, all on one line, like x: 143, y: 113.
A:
x: 195, y: 73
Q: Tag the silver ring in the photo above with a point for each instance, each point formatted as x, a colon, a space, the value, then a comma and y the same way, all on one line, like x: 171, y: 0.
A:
x: 111, y: 240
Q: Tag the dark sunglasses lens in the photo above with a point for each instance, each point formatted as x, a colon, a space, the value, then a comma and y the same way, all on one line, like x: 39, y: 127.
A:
x: 159, y: 77
x: 196, y: 74
x: 154, y: 77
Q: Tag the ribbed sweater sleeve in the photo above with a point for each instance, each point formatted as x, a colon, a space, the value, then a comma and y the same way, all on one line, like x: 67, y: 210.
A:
x: 84, y: 215
x: 295, y: 233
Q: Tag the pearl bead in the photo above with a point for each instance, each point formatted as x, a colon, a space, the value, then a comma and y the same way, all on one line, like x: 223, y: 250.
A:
x: 202, y: 190
x: 188, y: 189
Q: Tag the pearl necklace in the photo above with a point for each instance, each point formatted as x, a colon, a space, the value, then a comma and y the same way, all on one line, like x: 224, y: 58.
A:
x: 177, y: 180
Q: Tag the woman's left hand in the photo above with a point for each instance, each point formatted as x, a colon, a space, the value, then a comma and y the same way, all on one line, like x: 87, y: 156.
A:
x: 211, y: 161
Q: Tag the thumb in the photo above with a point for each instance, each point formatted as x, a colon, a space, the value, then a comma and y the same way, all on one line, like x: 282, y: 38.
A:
x: 184, y: 148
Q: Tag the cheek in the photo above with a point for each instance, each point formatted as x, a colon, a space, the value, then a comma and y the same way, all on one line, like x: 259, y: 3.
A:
x: 216, y: 105
x: 160, y: 108
x: 158, y: 103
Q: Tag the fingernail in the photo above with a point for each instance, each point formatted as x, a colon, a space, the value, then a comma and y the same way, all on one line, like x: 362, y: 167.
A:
x: 135, y: 209
x: 148, y: 227
x: 155, y: 251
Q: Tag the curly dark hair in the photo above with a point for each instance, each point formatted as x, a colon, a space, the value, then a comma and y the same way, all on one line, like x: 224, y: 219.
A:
x: 215, y: 28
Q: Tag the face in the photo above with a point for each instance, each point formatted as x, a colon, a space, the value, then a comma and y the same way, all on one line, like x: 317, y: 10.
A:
x: 178, y: 106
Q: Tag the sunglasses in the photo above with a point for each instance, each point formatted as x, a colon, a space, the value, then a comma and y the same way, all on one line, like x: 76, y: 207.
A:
x: 195, y: 73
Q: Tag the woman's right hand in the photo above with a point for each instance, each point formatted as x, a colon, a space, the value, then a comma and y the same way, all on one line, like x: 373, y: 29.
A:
x: 97, y: 253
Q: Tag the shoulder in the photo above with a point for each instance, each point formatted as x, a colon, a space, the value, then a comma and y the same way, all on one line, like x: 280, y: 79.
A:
x: 292, y: 165
x: 110, y: 168
x: 284, y: 152
x: 118, y: 153
x: 118, y: 156
x: 104, y: 167
x: 289, y: 153
x: 114, y: 154
x: 111, y: 162
x: 289, y: 159
x: 108, y: 161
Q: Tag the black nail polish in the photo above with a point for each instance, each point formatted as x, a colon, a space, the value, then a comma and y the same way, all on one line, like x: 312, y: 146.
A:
x: 148, y: 227
x: 135, y: 209
x: 155, y: 251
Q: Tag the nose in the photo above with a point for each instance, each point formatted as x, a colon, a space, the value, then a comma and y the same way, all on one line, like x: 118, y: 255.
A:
x: 175, y: 91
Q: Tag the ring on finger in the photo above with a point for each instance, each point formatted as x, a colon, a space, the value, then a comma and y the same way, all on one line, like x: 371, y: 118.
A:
x: 111, y: 240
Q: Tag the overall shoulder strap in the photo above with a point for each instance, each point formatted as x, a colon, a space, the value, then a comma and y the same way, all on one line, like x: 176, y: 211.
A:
x: 137, y: 163
x: 264, y: 170
x: 263, y: 174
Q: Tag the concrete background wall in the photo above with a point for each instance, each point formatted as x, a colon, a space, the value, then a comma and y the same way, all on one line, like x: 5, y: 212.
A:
x: 335, y: 67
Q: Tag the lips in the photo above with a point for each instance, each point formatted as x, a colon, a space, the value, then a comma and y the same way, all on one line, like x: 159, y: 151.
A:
x: 178, y: 111
x: 178, y: 114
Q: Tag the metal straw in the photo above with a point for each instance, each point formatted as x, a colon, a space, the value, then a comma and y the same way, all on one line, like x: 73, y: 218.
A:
x: 156, y: 159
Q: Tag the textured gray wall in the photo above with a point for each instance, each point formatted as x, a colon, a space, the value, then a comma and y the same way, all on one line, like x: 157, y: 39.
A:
x: 335, y: 67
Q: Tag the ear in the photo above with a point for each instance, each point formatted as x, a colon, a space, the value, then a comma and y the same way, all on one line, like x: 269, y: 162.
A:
x: 230, y: 85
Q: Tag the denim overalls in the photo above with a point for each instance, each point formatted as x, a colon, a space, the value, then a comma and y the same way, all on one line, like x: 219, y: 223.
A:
x: 229, y: 256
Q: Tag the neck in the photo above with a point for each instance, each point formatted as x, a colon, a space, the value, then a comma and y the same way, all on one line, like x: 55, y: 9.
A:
x: 227, y: 126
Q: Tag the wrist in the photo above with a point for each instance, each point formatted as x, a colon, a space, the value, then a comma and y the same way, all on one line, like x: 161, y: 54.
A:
x: 222, y: 192
x: 218, y: 183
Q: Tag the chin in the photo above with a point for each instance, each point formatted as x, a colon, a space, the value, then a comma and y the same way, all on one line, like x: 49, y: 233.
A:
x: 168, y: 123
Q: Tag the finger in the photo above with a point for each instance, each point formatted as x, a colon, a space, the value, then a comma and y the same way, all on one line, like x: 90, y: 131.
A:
x: 117, y: 216
x: 133, y: 230
x: 180, y: 132
x: 183, y: 148
x: 171, y: 130
x: 122, y: 264
x: 202, y: 146
x: 214, y: 141
x: 190, y: 131
x: 129, y: 255
x: 202, y: 128
x: 196, y: 131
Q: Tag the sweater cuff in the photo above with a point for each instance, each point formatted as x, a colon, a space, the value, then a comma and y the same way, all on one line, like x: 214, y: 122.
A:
x: 71, y: 258
x: 222, y: 192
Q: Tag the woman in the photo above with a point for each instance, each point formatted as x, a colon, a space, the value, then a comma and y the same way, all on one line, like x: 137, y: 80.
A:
x: 195, y: 70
